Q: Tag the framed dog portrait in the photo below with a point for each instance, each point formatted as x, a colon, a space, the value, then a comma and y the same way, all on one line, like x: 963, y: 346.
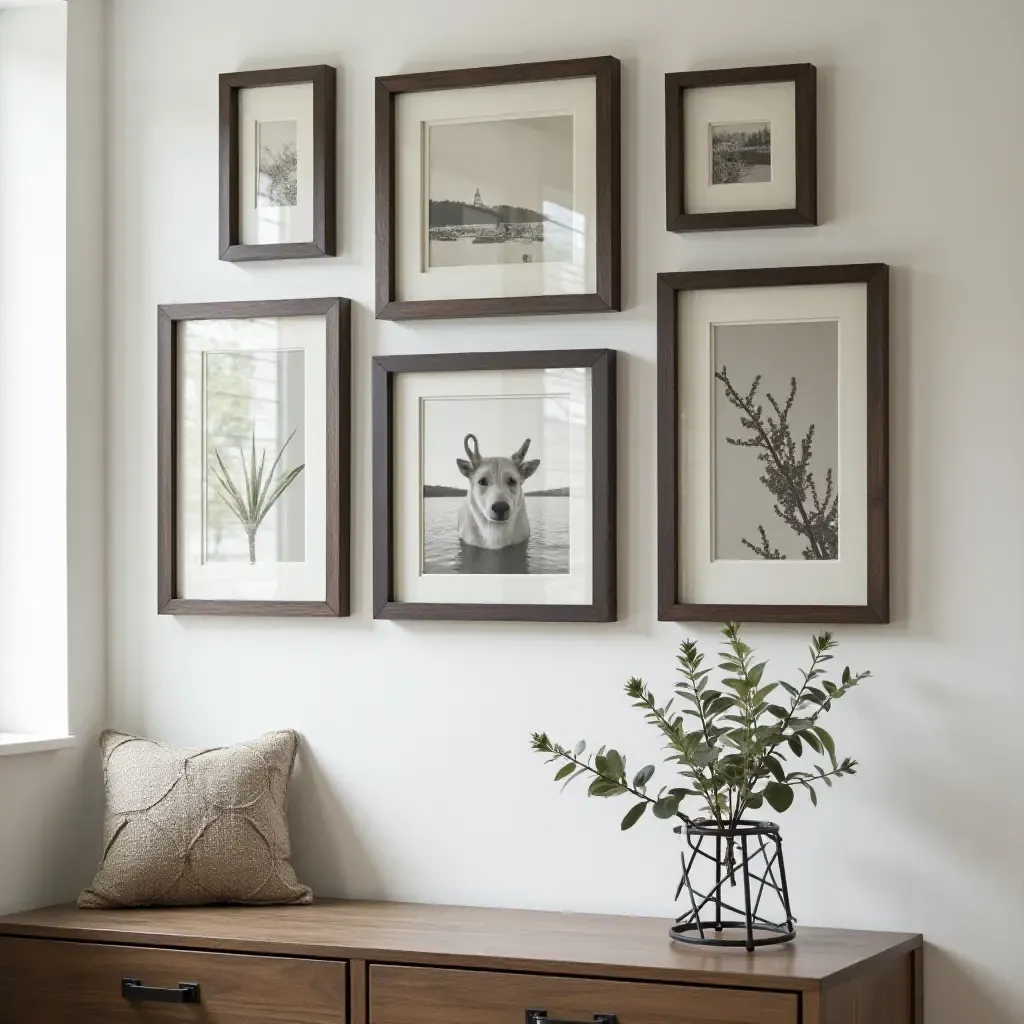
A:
x: 741, y: 147
x: 494, y: 486
x: 277, y: 164
x: 773, y: 494
x: 253, y: 440
x: 498, y: 190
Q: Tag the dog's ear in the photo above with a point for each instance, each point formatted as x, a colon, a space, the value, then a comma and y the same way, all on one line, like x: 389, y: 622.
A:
x: 527, y: 469
x: 464, y: 468
x: 518, y: 457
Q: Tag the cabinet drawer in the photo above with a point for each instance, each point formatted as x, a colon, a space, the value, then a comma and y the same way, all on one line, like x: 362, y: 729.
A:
x: 427, y: 995
x: 47, y: 982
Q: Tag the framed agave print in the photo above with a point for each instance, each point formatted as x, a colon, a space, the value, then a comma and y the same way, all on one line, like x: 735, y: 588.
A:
x: 253, y: 431
x: 277, y: 160
x: 494, y: 486
x: 773, y: 445
x: 741, y: 147
x: 498, y: 190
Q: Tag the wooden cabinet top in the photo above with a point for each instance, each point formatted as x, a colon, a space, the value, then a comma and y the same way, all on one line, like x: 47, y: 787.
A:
x: 521, y: 940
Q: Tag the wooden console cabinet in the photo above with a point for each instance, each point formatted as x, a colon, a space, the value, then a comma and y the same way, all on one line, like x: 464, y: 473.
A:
x: 340, y: 962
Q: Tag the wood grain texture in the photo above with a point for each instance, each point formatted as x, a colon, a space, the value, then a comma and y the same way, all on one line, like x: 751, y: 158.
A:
x: 337, y: 313
x: 805, y: 209
x: 358, y: 992
x: 603, y: 606
x: 886, y: 996
x: 875, y: 276
x: 606, y: 72
x: 631, y: 948
x: 418, y: 995
x: 325, y: 230
x: 45, y: 982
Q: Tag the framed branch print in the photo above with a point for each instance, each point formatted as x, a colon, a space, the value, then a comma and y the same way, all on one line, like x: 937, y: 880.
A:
x: 277, y: 175
x: 773, y: 493
x: 741, y: 147
x: 494, y: 486
x: 498, y: 190
x: 253, y: 465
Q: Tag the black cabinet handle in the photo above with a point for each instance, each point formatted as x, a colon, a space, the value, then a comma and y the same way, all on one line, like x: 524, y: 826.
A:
x: 135, y: 992
x: 541, y: 1017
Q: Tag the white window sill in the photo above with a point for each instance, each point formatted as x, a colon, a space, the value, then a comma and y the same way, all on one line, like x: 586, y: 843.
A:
x: 32, y: 743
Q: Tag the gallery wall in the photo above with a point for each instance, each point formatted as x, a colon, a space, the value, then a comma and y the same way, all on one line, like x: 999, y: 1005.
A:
x: 416, y: 781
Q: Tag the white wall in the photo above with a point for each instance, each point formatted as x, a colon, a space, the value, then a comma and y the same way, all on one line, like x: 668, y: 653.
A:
x: 416, y: 781
x: 52, y: 587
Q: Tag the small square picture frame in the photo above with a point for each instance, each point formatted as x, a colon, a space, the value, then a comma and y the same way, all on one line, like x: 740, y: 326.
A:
x: 483, y: 580
x: 741, y: 148
x: 314, y: 138
x: 568, y: 262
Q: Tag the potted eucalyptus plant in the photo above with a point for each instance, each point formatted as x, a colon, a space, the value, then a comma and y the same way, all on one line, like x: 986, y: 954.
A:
x: 736, y: 744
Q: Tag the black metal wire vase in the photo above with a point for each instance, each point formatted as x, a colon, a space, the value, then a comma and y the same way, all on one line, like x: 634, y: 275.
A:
x: 746, y: 857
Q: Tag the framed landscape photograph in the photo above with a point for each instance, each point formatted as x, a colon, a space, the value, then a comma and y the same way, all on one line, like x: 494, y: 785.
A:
x: 773, y: 445
x: 277, y: 164
x: 741, y: 147
x: 498, y: 190
x: 494, y: 486
x: 253, y: 464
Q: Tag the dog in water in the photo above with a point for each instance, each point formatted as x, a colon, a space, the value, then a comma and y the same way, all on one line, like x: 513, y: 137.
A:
x: 493, y: 515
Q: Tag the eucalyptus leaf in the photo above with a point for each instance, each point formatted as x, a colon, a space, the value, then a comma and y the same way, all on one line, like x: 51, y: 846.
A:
x: 633, y: 815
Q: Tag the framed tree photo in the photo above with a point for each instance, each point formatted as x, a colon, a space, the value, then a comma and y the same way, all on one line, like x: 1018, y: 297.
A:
x: 773, y: 497
x: 741, y: 148
x: 494, y: 486
x: 498, y: 191
x: 277, y: 164
x: 253, y: 464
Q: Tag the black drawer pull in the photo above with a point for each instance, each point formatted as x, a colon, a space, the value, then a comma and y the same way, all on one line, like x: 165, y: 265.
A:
x: 134, y: 991
x: 541, y: 1017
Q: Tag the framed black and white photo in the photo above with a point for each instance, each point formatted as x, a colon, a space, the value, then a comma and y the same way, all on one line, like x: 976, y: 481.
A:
x: 740, y: 147
x: 253, y: 428
x: 498, y: 190
x: 494, y: 486
x: 277, y: 164
x: 773, y: 445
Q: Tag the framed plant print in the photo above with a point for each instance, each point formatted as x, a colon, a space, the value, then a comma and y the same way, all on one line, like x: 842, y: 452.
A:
x: 773, y: 487
x: 741, y: 147
x: 277, y: 164
x: 494, y: 486
x: 498, y: 191
x: 253, y: 463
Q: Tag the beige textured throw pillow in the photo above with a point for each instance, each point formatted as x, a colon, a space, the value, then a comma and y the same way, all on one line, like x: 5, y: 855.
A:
x: 189, y: 826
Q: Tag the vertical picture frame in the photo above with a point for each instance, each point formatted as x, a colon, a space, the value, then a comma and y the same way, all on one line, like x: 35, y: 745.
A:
x: 254, y: 450
x: 295, y: 215
x: 773, y: 434
x: 449, y: 145
x: 741, y: 148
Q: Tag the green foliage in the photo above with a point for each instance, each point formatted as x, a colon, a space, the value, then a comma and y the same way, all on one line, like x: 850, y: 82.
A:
x: 734, y: 742
x: 257, y: 494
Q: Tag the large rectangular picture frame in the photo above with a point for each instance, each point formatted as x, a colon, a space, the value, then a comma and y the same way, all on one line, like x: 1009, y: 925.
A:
x: 876, y: 609
x: 805, y: 210
x: 607, y: 297
x: 325, y: 229
x: 337, y: 313
x: 603, y: 606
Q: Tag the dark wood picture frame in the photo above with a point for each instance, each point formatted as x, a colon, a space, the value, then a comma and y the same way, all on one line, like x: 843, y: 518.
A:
x: 337, y: 312
x: 603, y: 606
x: 804, y: 78
x: 325, y: 228
x: 876, y: 278
x: 607, y: 297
